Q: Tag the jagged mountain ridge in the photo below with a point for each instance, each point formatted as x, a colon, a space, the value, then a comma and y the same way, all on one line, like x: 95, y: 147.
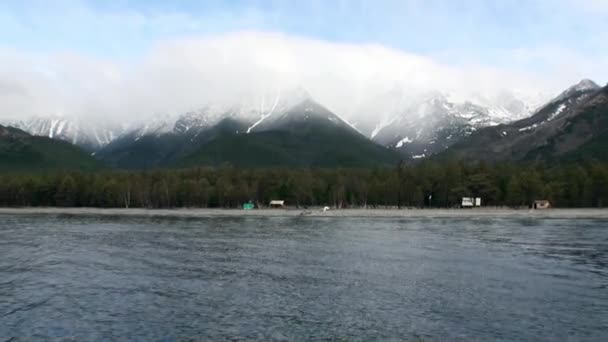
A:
x: 577, y: 117
x: 431, y: 122
x: 163, y: 141
x: 88, y: 135
x: 390, y: 125
x: 440, y: 125
x: 307, y: 134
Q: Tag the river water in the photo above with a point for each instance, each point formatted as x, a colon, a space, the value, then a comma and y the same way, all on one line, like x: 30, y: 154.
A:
x: 302, y: 278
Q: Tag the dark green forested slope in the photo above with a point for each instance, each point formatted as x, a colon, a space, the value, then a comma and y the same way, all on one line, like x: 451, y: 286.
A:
x: 596, y: 149
x: 162, y: 150
x: 583, y: 137
x: 281, y: 148
x: 20, y: 151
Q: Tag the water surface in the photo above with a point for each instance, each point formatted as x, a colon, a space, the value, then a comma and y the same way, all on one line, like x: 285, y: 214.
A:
x: 148, y: 279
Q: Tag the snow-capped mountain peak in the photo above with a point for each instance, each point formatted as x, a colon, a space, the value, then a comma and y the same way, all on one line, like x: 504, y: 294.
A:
x: 585, y: 85
x: 250, y: 109
x: 424, y: 123
x: 202, y: 118
x: 158, y: 125
x: 282, y: 102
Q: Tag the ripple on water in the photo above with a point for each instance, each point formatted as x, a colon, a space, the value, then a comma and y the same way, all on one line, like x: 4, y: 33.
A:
x: 306, y: 278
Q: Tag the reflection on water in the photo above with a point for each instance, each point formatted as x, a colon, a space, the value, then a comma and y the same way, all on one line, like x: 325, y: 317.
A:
x: 96, y: 278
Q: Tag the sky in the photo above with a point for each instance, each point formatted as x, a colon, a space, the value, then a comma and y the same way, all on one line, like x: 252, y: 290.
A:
x: 132, y: 57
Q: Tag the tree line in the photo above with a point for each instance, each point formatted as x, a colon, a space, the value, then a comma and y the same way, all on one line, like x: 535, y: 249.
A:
x: 427, y: 184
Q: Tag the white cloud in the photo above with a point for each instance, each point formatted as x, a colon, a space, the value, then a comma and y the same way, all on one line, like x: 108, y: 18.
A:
x: 471, y: 47
x: 179, y: 75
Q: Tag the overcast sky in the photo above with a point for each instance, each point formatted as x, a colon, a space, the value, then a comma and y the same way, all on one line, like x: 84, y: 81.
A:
x: 133, y: 58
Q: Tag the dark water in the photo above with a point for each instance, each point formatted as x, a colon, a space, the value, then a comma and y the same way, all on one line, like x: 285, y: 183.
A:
x: 149, y: 279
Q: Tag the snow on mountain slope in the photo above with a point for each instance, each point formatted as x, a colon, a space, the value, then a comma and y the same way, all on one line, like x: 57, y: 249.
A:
x: 583, y: 86
x: 256, y: 111
x: 427, y: 123
x: 281, y: 103
x: 90, y: 136
x: 201, y: 118
x: 563, y: 106
x: 303, y: 115
x: 559, y: 128
x: 420, y: 123
x: 253, y: 110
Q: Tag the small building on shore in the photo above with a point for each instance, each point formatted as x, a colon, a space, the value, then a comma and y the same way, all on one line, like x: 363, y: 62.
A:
x: 277, y: 204
x: 470, y: 202
x: 541, y: 204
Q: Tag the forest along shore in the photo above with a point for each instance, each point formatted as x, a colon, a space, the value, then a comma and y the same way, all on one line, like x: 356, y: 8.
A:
x: 318, y: 212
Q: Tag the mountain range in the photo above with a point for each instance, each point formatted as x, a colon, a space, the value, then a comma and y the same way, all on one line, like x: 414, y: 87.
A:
x: 574, y: 125
x: 430, y: 122
x: 292, y: 129
x: 305, y: 134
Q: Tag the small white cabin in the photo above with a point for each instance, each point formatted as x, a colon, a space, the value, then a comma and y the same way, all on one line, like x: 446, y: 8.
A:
x: 277, y: 204
x: 470, y: 202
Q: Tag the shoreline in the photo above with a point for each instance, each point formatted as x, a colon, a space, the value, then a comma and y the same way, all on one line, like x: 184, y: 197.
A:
x: 316, y: 212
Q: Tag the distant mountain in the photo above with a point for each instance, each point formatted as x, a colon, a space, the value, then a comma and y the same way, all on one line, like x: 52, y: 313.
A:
x: 162, y: 148
x: 88, y: 135
x: 20, y: 151
x: 164, y: 140
x: 306, y: 135
x: 573, y: 125
x: 427, y: 124
x: 416, y: 126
